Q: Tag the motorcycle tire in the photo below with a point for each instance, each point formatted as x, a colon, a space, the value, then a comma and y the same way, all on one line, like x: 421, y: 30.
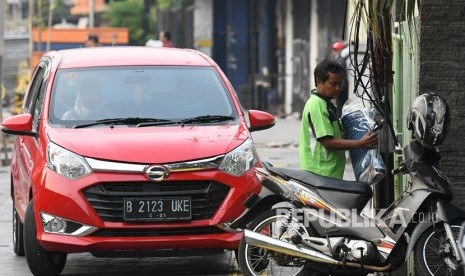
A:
x: 267, y: 258
x: 433, y: 253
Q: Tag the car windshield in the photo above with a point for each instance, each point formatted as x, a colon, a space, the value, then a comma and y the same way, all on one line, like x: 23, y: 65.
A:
x: 84, y: 96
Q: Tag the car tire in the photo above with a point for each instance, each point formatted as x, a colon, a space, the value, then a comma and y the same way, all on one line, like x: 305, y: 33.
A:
x: 18, y: 234
x: 40, y: 261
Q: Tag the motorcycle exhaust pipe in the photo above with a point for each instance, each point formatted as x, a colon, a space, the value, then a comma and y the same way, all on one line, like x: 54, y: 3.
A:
x: 276, y: 245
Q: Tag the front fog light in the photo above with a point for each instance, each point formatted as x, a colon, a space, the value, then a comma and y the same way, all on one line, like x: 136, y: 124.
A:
x: 59, y: 225
x: 55, y: 224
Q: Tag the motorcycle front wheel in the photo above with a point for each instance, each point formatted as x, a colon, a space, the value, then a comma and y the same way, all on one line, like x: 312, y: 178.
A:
x: 258, y: 261
x: 434, y: 254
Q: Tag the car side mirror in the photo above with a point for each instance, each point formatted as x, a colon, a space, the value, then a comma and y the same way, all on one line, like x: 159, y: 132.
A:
x: 260, y: 120
x: 18, y: 125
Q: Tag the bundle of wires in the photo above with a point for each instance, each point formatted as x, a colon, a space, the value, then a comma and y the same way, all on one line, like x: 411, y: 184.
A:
x: 365, y: 67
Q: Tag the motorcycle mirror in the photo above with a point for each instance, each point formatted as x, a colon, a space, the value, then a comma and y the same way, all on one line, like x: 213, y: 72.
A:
x: 398, y: 150
x: 378, y: 125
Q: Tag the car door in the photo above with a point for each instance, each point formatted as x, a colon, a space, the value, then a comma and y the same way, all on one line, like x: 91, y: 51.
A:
x: 31, y: 157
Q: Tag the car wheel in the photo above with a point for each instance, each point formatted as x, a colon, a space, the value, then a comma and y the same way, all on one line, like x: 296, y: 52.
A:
x: 18, y: 241
x: 40, y: 261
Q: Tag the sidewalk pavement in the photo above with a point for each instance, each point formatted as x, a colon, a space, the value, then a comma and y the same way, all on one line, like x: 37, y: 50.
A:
x: 285, y: 132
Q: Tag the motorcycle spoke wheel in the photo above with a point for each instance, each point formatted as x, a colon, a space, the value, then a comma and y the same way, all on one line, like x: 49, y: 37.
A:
x: 436, y: 257
x: 264, y: 262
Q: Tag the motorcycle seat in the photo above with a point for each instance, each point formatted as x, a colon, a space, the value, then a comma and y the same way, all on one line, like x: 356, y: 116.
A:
x: 320, y: 182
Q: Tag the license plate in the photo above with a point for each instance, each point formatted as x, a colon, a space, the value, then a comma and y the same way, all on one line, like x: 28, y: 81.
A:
x: 157, y: 209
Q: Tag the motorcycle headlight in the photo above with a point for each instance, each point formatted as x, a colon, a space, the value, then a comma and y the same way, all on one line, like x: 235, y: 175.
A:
x: 240, y: 160
x: 66, y: 163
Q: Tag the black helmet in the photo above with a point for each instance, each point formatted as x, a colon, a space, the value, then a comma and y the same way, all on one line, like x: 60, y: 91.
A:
x: 429, y: 119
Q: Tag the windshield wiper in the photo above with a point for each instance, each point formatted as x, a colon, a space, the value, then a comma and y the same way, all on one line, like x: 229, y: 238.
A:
x: 206, y: 119
x: 197, y: 119
x: 126, y: 121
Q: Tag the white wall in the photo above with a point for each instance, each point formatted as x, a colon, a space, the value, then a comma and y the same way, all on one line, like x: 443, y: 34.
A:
x: 203, y: 26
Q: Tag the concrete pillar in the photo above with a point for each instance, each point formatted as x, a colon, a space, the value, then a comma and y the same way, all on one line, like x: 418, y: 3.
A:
x: 203, y: 26
x: 2, y: 51
x: 266, y: 28
x: 313, y: 41
x: 2, y: 38
x: 289, y: 53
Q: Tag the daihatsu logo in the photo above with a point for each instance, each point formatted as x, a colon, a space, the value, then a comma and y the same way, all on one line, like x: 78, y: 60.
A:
x: 157, y: 173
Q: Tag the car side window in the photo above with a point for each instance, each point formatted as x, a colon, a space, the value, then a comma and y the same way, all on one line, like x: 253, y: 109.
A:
x: 39, y: 103
x: 34, y: 88
x: 35, y: 99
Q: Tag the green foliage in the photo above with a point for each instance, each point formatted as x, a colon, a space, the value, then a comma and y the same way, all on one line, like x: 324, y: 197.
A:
x: 60, y: 10
x: 172, y: 4
x: 130, y: 14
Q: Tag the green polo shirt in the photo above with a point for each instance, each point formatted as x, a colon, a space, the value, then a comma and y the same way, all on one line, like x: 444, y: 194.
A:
x: 319, y: 119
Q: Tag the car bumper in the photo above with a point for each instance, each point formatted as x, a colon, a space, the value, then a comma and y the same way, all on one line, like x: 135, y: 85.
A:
x: 67, y: 199
x: 54, y: 242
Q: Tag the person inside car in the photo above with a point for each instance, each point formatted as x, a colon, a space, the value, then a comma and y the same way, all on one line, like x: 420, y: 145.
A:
x: 142, y: 106
x: 88, y: 104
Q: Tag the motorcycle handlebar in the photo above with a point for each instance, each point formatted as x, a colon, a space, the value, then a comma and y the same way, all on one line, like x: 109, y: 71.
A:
x: 395, y: 171
x: 399, y: 169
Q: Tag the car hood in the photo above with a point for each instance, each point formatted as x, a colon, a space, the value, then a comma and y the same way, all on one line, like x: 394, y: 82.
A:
x: 162, y: 144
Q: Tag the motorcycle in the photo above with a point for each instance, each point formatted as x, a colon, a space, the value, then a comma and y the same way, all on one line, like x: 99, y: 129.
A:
x: 461, y: 244
x: 306, y: 224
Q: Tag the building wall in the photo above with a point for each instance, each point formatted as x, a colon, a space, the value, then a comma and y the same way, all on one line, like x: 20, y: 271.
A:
x: 311, y: 38
x: 203, y: 26
x: 16, y: 51
x: 268, y: 49
x: 442, y: 70
x: 301, y: 53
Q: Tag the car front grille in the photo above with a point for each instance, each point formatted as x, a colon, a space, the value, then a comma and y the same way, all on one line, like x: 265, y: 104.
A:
x: 107, y: 198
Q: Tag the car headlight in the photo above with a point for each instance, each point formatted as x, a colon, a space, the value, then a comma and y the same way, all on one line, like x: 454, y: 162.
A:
x: 66, y: 163
x: 240, y: 160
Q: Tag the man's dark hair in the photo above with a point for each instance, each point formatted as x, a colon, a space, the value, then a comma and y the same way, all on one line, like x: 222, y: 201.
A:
x: 325, y: 67
x: 167, y: 35
x: 93, y: 37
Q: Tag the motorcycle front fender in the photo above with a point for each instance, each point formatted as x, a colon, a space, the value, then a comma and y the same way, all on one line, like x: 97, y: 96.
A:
x: 446, y: 212
x: 259, y: 204
x: 416, y: 234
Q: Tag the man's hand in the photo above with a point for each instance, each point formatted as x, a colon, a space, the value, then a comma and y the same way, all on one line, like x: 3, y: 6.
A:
x: 369, y: 140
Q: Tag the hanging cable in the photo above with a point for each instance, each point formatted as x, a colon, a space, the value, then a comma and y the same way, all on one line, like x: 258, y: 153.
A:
x: 366, y: 77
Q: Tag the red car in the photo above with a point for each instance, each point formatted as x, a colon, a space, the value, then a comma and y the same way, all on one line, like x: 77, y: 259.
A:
x: 123, y: 150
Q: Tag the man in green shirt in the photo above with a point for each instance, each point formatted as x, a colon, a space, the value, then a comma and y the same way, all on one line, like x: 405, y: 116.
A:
x: 322, y: 148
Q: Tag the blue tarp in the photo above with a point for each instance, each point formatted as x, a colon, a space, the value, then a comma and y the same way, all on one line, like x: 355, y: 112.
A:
x: 367, y: 163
